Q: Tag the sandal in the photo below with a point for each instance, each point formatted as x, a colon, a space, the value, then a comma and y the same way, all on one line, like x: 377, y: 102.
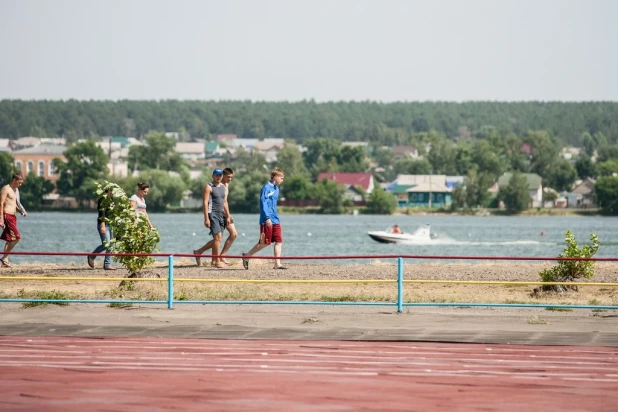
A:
x: 5, y: 263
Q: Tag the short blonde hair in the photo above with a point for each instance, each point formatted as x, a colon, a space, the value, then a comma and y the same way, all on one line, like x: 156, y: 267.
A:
x: 276, y: 172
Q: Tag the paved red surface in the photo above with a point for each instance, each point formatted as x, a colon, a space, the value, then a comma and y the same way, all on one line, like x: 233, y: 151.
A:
x: 146, y: 374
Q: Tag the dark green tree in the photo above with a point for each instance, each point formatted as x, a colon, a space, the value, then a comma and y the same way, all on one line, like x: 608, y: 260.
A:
x: 329, y: 195
x: 412, y: 167
x: 7, y: 167
x: 515, y: 195
x: 33, y: 190
x: 297, y: 187
x: 606, y: 192
x: 290, y: 159
x: 607, y: 168
x: 381, y: 202
x: 560, y: 175
x: 585, y: 168
x: 85, y: 164
x: 159, y: 153
x: 165, y: 189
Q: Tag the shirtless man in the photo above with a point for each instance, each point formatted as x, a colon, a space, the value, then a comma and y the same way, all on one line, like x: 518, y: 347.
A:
x: 8, y: 220
x: 216, y: 215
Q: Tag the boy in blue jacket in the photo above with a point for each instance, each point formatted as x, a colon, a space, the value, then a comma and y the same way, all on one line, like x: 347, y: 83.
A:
x: 270, y: 228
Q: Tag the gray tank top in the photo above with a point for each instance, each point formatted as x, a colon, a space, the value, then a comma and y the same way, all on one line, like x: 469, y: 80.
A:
x: 217, y: 196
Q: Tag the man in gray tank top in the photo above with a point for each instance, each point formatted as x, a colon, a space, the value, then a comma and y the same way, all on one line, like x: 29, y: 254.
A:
x: 215, y: 211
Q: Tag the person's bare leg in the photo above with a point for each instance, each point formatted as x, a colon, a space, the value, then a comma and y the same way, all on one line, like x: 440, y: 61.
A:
x: 228, y: 242
x: 258, y: 246
x: 201, y: 251
x: 277, y: 251
x: 8, y: 246
x: 215, y: 250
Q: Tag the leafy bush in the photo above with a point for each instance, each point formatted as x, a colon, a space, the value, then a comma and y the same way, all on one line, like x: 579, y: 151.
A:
x: 571, y: 270
x: 132, y: 234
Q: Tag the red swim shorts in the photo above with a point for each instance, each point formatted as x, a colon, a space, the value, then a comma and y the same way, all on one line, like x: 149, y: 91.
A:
x: 271, y: 234
x: 10, y: 232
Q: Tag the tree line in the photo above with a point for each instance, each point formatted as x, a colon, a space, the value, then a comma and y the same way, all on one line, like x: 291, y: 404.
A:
x: 376, y: 122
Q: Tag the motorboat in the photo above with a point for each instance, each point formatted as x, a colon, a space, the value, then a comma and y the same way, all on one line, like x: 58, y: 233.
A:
x: 421, y: 235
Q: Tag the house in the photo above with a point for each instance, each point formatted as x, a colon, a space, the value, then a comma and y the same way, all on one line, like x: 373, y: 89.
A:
x: 352, y: 183
x: 4, y: 145
x: 430, y: 195
x: 401, y: 194
x: 535, y: 186
x: 585, y: 188
x: 39, y: 160
x: 405, y: 152
x: 419, y: 179
x: 226, y: 138
x: 192, y: 151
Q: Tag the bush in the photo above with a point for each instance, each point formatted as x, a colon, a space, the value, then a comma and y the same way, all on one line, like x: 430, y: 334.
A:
x: 132, y: 234
x: 571, y: 270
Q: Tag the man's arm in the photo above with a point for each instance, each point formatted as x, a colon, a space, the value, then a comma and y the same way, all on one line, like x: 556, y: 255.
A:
x: 206, y: 198
x: 265, y: 203
x: 20, y: 207
x: 226, y: 207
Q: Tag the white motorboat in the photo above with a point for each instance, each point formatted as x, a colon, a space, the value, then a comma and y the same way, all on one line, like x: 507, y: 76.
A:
x: 420, y: 236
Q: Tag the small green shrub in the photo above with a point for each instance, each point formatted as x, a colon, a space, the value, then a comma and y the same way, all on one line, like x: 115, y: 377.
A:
x: 54, y: 294
x: 571, y: 270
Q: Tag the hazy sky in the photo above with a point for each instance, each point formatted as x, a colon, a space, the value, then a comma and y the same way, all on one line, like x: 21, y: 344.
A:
x: 384, y: 50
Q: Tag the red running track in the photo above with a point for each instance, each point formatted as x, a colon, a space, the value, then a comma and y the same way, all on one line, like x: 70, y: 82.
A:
x: 148, y: 374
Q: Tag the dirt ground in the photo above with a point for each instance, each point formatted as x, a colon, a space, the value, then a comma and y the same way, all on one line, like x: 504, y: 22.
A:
x: 375, y: 281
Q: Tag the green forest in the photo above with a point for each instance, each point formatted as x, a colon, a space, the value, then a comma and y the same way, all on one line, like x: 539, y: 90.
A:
x: 384, y: 123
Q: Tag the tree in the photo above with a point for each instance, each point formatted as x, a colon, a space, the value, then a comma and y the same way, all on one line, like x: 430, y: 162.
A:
x: 297, y: 188
x: 290, y: 159
x: 329, y: 195
x: 413, y: 167
x: 132, y: 233
x: 159, y: 152
x: 476, y: 185
x: 86, y: 163
x: 515, y: 195
x: 322, y: 148
x: 585, y: 167
x: 34, y: 188
x: 381, y: 202
x: 165, y: 189
x: 545, y: 150
x: 561, y: 175
x: 352, y: 159
x: 606, y: 192
x: 7, y: 167
x: 607, y: 168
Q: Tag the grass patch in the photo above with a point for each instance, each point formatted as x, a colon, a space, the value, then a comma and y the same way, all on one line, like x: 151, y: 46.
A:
x: 44, y: 295
x: 120, y: 305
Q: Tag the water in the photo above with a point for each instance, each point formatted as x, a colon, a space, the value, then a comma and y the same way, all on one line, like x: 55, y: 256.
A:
x: 319, y: 235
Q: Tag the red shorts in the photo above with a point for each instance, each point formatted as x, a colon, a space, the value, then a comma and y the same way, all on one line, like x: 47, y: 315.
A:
x: 10, y: 232
x: 271, y: 234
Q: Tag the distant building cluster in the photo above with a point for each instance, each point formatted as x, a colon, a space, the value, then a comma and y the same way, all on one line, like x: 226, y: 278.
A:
x: 36, y: 155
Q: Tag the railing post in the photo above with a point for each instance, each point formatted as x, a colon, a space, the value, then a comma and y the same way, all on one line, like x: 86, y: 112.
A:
x: 170, y: 282
x: 400, y: 285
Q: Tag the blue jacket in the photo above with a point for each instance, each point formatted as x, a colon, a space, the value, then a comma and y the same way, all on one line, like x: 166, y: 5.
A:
x: 268, y: 203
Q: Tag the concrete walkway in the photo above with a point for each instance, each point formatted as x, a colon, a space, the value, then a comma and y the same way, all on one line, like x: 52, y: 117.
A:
x: 473, y: 325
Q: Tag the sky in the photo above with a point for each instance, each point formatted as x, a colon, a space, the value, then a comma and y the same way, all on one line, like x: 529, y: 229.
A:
x: 325, y: 50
